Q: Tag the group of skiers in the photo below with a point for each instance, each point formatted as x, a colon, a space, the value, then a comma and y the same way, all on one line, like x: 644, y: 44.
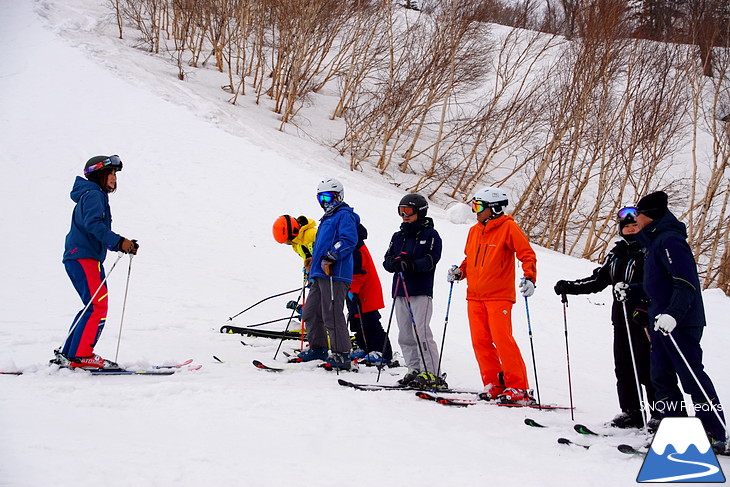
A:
x: 412, y: 256
x: 658, y: 314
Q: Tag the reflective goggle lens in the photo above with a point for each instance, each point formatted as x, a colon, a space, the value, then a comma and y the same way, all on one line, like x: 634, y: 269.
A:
x: 629, y: 211
x: 478, y: 206
x: 326, y: 197
x: 112, y: 161
x: 406, y: 211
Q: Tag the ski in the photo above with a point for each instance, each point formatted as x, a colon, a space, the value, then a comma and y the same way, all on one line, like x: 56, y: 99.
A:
x: 153, y: 370
x: 448, y: 401
x: 256, y: 332
x: 262, y: 366
x: 533, y: 423
x: 566, y: 441
x: 397, y: 387
x: 11, y: 372
x: 585, y: 430
x: 174, y: 366
x: 630, y: 450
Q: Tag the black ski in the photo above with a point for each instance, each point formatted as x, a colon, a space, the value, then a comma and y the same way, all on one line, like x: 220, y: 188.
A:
x: 566, y: 441
x: 585, y: 430
x: 257, y: 332
x: 630, y: 450
x: 533, y: 423
x: 265, y: 367
x: 462, y: 402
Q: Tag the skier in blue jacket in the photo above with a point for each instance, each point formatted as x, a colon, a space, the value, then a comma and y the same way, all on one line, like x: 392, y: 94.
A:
x: 677, y: 314
x: 87, y: 242
x: 331, y: 275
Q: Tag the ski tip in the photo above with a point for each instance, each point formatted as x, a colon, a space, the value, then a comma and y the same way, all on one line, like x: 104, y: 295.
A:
x: 343, y: 382
x: 584, y: 430
x: 219, y: 360
x: 533, y: 423
x: 564, y: 441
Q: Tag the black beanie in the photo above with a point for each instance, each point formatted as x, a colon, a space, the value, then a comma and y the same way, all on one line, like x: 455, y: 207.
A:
x: 653, y: 205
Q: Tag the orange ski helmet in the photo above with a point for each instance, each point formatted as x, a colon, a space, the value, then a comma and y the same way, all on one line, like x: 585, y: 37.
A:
x: 285, y: 229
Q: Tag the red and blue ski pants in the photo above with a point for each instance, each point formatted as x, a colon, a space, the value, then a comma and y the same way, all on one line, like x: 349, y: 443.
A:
x: 490, y: 323
x: 87, y: 276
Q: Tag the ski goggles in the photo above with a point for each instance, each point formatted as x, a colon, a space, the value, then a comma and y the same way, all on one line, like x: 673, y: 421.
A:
x: 113, y: 162
x: 627, y: 212
x: 478, y: 206
x: 326, y: 197
x: 406, y: 211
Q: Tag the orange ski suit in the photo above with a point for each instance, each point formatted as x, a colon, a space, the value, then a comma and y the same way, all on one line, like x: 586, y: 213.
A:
x: 489, y: 268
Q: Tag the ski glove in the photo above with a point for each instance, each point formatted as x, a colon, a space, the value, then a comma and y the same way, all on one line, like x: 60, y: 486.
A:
x: 621, y: 292
x: 527, y: 287
x: 562, y: 287
x: 128, y: 246
x: 307, y: 265
x: 665, y: 323
x: 328, y: 262
x: 353, y: 297
x: 453, y: 274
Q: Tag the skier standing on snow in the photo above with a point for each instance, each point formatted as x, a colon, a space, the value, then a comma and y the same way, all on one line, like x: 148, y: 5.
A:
x: 489, y: 268
x: 623, y: 268
x: 331, y: 273
x: 412, y: 256
x: 300, y: 233
x: 86, y: 246
x: 677, y: 314
x: 364, y: 300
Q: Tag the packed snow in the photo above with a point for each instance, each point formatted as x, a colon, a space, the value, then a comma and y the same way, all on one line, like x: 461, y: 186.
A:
x: 202, y: 184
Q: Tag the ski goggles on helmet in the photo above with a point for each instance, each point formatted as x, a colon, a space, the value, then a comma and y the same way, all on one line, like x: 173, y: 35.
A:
x: 478, y: 206
x: 111, y: 162
x: 406, y: 211
x: 326, y: 197
x: 627, y: 212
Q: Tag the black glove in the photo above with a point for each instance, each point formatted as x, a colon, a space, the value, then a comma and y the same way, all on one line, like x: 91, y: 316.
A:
x: 403, y: 264
x: 562, y: 287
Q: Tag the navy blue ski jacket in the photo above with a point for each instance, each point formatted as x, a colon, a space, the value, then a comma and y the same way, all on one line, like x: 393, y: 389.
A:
x: 670, y: 272
x: 91, y: 223
x: 419, y: 243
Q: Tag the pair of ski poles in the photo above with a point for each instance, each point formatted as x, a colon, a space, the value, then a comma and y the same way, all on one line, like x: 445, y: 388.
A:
x: 101, y: 286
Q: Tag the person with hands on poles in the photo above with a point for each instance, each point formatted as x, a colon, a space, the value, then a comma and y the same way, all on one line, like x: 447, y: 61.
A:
x: 677, y: 319
x: 86, y: 246
x: 412, y: 256
x: 331, y: 276
x: 623, y: 268
x: 364, y: 300
x: 489, y: 268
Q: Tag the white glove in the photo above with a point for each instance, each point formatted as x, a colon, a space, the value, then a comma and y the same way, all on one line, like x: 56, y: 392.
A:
x: 621, y: 292
x: 665, y: 323
x: 527, y: 287
x: 453, y: 274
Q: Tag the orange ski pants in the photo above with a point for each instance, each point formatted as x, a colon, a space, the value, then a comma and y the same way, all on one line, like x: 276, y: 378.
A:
x: 495, y: 348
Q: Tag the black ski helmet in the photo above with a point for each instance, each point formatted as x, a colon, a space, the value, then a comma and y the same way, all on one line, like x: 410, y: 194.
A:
x: 95, y: 166
x: 415, y: 201
x: 626, y: 216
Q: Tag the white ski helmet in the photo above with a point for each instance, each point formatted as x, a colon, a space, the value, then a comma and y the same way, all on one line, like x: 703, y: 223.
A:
x: 330, y: 185
x: 493, y: 198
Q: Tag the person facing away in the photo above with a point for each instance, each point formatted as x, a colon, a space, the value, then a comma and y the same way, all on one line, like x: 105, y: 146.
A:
x: 676, y: 317
x: 86, y: 245
x: 299, y: 233
x: 331, y: 276
x: 489, y: 268
x: 364, y: 300
x: 412, y: 256
x: 623, y: 269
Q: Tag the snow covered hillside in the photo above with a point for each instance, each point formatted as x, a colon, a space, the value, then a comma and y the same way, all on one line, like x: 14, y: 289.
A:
x: 202, y: 184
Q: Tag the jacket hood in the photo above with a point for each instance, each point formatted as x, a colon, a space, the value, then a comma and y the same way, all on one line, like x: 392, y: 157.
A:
x: 81, y: 186
x: 416, y: 226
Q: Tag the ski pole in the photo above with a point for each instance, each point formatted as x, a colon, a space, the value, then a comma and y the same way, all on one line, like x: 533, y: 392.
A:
x: 704, y: 393
x: 261, y: 301
x: 390, y: 320
x: 446, y: 323
x: 532, y: 349
x: 334, y: 320
x: 639, y: 392
x: 301, y: 293
x: 413, y: 321
x: 124, y: 307
x: 564, y: 299
x: 80, y: 315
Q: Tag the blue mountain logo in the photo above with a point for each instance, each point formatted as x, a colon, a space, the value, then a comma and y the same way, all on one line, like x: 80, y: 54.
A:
x: 681, y: 452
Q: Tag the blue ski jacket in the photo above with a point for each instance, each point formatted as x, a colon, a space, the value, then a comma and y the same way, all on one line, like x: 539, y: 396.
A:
x: 670, y: 272
x: 336, y: 238
x: 91, y: 223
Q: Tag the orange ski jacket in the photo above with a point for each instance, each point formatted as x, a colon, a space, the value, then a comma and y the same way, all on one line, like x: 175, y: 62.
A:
x: 489, y: 265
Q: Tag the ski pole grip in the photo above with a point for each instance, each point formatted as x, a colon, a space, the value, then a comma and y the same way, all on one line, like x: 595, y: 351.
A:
x: 564, y: 299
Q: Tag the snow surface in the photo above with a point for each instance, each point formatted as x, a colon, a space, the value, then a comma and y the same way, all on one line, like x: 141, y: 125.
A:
x: 202, y: 183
